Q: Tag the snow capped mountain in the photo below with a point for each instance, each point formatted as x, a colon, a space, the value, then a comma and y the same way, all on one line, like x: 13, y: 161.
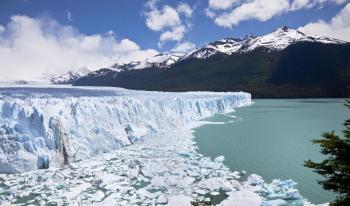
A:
x: 69, y: 77
x: 283, y: 37
x: 158, y: 61
x: 277, y: 40
x: 100, y: 72
x: 226, y: 46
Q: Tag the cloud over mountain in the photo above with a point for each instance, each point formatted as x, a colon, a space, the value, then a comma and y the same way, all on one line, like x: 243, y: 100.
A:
x: 30, y: 47
x: 229, y: 13
x: 338, y: 27
x: 171, y: 22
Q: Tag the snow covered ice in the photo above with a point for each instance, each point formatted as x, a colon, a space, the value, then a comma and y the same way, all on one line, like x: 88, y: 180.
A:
x: 112, y: 146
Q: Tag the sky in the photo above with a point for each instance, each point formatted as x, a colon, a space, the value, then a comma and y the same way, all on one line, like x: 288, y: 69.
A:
x: 43, y: 37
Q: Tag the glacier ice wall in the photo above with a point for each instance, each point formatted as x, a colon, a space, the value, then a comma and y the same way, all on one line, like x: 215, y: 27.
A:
x: 51, y: 126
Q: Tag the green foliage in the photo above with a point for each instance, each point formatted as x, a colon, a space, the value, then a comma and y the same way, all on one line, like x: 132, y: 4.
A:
x: 336, y: 167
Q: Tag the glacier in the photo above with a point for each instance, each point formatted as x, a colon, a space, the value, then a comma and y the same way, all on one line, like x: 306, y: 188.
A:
x: 111, y: 146
x: 42, y: 127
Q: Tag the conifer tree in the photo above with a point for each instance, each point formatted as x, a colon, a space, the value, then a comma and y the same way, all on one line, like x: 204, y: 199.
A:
x: 336, y: 167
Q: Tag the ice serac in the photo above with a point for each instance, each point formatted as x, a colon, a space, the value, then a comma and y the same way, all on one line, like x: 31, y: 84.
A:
x: 44, y: 127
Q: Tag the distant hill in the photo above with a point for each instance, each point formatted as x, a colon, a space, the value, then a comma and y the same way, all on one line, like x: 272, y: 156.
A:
x: 283, y: 64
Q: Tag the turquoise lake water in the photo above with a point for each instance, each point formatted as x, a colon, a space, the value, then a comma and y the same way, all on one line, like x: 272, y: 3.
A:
x: 272, y: 138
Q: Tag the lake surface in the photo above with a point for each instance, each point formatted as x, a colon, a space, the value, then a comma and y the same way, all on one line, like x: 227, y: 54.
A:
x: 272, y: 138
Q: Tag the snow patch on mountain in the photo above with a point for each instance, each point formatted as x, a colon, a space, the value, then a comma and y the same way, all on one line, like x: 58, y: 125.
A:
x: 69, y: 77
x: 225, y: 46
x: 100, y: 72
x: 158, y: 61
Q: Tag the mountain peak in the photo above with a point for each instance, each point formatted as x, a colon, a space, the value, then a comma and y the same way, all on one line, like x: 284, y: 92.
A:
x: 284, y: 28
x: 161, y: 60
x: 70, y: 76
x: 229, y: 39
x: 249, y: 36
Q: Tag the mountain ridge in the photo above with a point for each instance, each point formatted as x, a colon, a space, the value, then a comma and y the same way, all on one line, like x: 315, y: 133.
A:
x: 277, y: 40
x: 283, y: 64
x: 227, y: 46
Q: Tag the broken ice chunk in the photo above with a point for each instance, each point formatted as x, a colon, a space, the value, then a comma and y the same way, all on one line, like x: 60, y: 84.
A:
x: 277, y: 202
x: 255, y: 179
x: 292, y: 194
x: 161, y: 199
x: 242, y: 197
x: 179, y: 200
x: 219, y: 159
x: 216, y: 184
x: 185, y: 154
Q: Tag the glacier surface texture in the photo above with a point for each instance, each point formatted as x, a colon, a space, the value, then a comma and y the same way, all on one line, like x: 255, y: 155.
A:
x: 43, y: 127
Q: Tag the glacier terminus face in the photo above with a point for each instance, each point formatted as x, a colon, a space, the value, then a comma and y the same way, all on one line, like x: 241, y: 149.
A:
x: 42, y: 127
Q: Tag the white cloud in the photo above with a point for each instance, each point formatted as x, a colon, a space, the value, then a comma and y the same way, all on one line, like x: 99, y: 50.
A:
x: 261, y: 10
x: 221, y: 4
x: 298, y: 4
x: 175, y: 34
x: 183, y: 47
x: 185, y: 9
x: 228, y: 13
x: 338, y: 27
x: 306, y: 4
x: 158, y: 20
x: 30, y: 47
x: 168, y: 20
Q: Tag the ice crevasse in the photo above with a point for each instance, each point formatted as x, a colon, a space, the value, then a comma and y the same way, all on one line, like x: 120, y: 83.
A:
x: 45, y: 127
